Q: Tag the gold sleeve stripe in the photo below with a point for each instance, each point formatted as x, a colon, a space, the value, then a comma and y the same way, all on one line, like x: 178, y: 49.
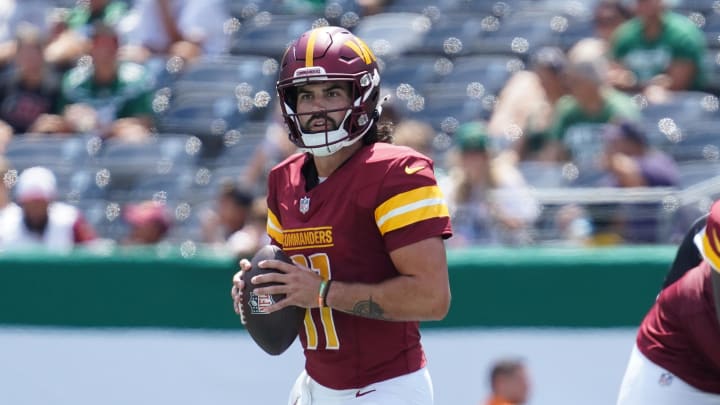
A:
x: 310, y: 49
x: 710, y: 251
x: 410, y: 207
x: 404, y: 199
x: 274, y: 229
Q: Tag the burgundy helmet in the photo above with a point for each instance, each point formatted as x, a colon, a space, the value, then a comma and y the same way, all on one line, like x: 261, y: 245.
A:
x: 327, y: 54
x: 708, y: 242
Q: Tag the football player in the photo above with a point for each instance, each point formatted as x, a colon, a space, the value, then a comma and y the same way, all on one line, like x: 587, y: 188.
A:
x: 676, y: 358
x: 364, y: 222
x: 688, y: 256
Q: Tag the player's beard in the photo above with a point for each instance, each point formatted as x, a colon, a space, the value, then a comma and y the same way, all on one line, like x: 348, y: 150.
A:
x: 330, y: 123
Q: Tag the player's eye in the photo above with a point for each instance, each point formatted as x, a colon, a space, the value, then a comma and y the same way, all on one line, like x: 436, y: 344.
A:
x: 334, y: 93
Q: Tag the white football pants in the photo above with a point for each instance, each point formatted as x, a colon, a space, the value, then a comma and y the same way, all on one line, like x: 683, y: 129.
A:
x: 409, y: 389
x: 646, y: 383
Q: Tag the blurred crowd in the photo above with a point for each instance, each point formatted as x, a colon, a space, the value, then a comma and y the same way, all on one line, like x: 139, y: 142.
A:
x: 574, y: 117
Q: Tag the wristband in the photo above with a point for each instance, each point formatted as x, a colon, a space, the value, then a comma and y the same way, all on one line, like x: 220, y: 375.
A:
x: 323, y: 292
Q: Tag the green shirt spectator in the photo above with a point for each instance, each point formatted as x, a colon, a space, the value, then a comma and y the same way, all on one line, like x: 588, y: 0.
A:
x: 616, y: 105
x: 646, y: 56
x: 109, y: 96
x: 109, y: 12
x: 129, y: 95
x: 71, y: 40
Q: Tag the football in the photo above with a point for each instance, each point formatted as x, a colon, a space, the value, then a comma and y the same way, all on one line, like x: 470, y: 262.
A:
x: 273, y: 332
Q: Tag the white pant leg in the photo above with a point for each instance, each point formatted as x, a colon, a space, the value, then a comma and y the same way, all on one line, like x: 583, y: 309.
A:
x: 410, y: 389
x: 300, y: 392
x: 646, y: 383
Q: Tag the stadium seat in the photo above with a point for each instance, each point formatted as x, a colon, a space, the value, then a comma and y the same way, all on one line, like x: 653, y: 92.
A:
x: 83, y: 183
x: 694, y: 172
x: 491, y: 71
x: 160, y: 71
x: 268, y: 34
x: 519, y: 33
x: 104, y: 216
x: 187, y: 223
x: 704, y: 7
x: 684, y: 107
x: 229, y: 88
x: 420, y: 6
x: 173, y: 186
x: 416, y: 71
x: 166, y: 150
x: 693, y: 142
x: 542, y: 174
x: 125, y: 163
x: 256, y: 70
x: 206, y: 115
x: 569, y: 29
x: 246, y: 9
x: 449, y: 34
x: 332, y: 10
x: 241, y: 151
x: 392, y: 34
x: 712, y: 70
x: 57, y: 152
x: 499, y: 8
x: 444, y: 107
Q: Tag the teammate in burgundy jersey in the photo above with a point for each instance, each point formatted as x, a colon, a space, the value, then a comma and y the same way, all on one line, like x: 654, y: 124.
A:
x: 676, y: 359
x: 364, y: 221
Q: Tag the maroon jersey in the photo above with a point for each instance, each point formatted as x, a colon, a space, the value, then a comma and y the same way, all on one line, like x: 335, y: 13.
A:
x: 681, y: 332
x: 383, y: 198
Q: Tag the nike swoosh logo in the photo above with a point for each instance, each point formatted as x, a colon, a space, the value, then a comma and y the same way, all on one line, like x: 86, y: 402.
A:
x: 413, y: 170
x: 359, y: 394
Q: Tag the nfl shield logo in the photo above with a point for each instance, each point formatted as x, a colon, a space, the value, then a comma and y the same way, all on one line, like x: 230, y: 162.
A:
x: 304, y: 205
x: 260, y: 303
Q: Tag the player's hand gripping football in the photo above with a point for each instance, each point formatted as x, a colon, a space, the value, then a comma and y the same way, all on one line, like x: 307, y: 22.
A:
x: 299, y: 284
x: 237, y: 288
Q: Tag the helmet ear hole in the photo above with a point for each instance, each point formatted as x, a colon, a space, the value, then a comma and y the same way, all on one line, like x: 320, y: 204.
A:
x: 291, y: 97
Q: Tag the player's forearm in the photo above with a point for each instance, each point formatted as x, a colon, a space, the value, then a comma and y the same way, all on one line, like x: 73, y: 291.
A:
x: 403, y: 298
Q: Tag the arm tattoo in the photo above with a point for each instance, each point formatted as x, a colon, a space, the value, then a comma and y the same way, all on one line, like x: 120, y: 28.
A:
x: 368, y: 309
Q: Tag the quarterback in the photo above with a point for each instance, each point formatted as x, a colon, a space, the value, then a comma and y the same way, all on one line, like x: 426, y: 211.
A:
x: 364, y: 222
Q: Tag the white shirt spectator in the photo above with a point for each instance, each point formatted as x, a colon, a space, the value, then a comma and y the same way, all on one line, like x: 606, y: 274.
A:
x: 198, y: 21
x: 37, y: 221
x: 59, y: 235
x: 13, y: 12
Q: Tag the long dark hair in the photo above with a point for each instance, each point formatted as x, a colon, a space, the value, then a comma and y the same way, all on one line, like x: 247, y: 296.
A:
x: 381, y: 130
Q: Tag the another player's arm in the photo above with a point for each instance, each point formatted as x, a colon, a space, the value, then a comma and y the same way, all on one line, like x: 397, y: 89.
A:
x: 420, y: 292
x: 688, y: 256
